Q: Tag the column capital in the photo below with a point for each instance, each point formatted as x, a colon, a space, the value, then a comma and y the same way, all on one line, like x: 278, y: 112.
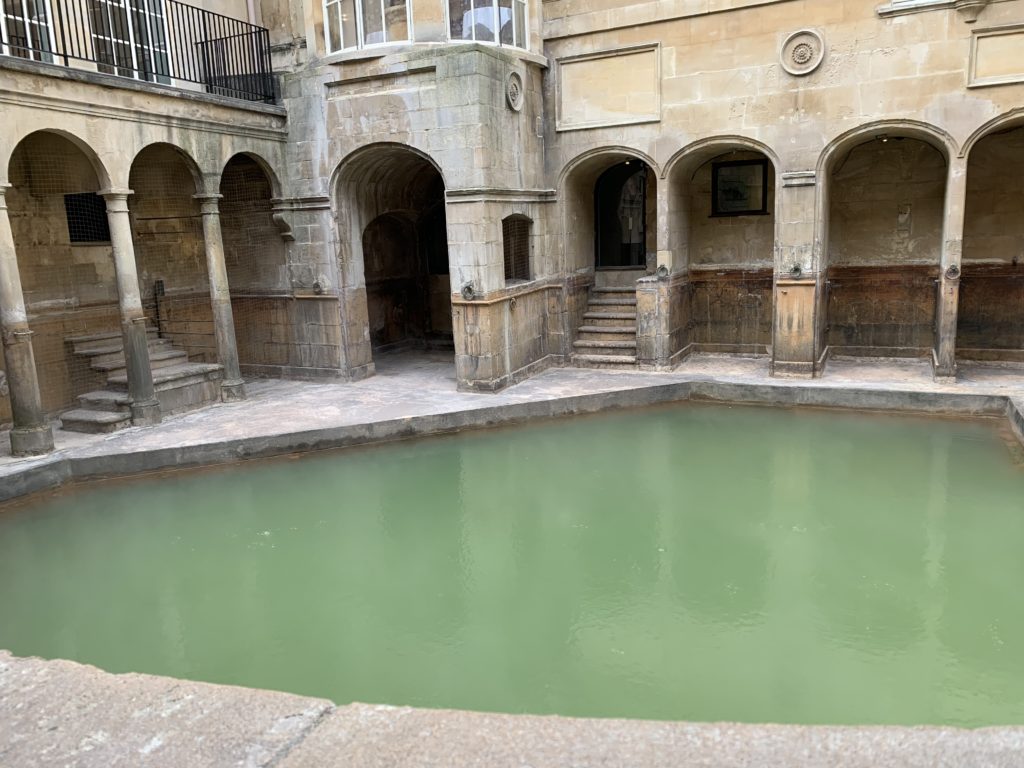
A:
x: 209, y: 202
x: 117, y: 199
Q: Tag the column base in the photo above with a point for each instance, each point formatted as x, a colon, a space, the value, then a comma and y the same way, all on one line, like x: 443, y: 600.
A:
x: 232, y: 391
x: 146, y: 414
x: 35, y: 441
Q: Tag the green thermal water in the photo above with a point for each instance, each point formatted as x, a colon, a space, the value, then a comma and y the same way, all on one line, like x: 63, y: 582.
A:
x: 690, y: 563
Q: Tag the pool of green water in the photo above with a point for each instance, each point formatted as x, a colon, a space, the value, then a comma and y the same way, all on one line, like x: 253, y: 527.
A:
x: 697, y: 563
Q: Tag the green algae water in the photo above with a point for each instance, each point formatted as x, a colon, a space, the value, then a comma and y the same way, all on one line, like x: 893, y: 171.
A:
x: 685, y: 563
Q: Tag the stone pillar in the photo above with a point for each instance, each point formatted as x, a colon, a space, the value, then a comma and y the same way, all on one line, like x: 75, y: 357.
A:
x: 31, y: 435
x: 232, y: 388
x: 799, y: 277
x: 948, y: 299
x: 144, y: 406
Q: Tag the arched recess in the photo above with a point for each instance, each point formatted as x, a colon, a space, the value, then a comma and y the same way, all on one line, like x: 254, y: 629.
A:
x: 65, y: 260
x: 170, y: 250
x: 610, y: 214
x: 721, y: 229
x: 882, y: 218
x: 390, y: 206
x: 271, y: 328
x: 990, y: 324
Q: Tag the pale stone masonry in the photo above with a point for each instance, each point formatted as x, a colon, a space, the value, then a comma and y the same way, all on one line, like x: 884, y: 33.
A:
x: 790, y: 179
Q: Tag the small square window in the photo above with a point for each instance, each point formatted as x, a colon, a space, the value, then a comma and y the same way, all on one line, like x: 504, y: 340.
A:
x: 87, y: 218
x: 739, y: 188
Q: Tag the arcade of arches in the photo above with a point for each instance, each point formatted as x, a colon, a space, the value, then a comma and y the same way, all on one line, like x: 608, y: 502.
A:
x: 160, y: 299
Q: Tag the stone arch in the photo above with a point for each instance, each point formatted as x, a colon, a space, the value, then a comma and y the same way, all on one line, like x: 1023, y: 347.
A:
x: 102, y: 174
x: 373, y: 186
x: 879, y: 237
x: 62, y: 242
x: 727, y: 251
x: 170, y: 248
x: 991, y: 286
x: 276, y: 189
x: 577, y: 185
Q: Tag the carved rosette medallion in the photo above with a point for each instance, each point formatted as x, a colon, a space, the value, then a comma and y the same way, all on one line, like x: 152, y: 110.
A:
x: 514, y: 91
x: 803, y: 52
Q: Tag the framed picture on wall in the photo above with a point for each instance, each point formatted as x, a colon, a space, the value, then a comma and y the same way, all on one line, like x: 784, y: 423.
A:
x: 739, y: 188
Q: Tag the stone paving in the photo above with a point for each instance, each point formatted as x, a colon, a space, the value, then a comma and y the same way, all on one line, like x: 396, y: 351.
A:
x: 284, y: 416
x: 61, y: 714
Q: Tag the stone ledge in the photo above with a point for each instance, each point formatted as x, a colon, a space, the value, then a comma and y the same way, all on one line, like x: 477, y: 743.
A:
x: 58, y: 713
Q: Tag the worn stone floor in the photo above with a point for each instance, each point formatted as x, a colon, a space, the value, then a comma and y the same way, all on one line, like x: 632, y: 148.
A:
x: 417, y: 384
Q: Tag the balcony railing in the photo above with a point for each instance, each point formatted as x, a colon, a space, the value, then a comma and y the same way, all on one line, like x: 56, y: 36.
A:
x: 157, y: 41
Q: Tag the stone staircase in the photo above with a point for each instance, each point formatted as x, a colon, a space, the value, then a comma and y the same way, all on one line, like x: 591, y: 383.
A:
x: 607, y: 338
x: 180, y: 385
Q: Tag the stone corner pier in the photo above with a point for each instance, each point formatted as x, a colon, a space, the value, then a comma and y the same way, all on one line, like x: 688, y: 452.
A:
x: 58, y: 713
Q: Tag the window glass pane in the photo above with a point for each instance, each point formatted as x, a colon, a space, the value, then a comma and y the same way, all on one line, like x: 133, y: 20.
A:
x: 373, y: 22
x: 505, y: 21
x: 483, y: 20
x: 460, y: 16
x: 520, y: 10
x: 332, y: 23
x: 349, y: 29
x: 396, y: 20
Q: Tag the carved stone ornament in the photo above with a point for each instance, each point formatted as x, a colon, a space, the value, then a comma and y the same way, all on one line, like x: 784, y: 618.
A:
x: 803, y: 52
x: 514, y: 91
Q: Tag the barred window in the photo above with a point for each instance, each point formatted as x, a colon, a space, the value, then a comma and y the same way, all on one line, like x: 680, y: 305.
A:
x: 361, y: 23
x: 87, y: 218
x: 515, y: 234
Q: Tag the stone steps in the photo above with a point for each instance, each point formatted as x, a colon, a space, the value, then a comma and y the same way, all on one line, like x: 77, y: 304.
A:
x: 159, y: 357
x: 607, y: 338
x: 605, y: 361
x: 179, y: 384
x: 94, y: 422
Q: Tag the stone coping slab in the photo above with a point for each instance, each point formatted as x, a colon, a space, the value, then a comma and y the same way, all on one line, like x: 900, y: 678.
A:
x: 418, y: 398
x: 58, y: 713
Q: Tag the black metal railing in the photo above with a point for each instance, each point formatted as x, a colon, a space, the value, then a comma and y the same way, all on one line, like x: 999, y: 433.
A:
x: 158, y: 41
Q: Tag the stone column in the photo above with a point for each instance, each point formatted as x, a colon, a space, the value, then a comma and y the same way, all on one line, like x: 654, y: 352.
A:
x: 948, y: 299
x: 145, y: 407
x: 232, y: 388
x: 31, y: 435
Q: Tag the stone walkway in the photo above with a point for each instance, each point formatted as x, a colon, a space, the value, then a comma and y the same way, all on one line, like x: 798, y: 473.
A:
x: 61, y: 714
x: 416, y: 394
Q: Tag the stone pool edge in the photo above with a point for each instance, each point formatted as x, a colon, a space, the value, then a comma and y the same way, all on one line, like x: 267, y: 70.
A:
x: 51, y: 472
x: 63, y: 713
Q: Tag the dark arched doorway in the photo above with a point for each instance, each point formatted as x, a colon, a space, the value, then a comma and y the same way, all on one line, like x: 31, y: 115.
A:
x: 620, y: 216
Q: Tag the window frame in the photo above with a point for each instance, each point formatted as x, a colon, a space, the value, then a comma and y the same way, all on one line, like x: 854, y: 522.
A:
x: 360, y: 43
x: 495, y: 17
x: 44, y: 28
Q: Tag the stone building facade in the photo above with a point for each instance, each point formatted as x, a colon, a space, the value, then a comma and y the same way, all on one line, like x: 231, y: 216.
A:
x: 527, y: 183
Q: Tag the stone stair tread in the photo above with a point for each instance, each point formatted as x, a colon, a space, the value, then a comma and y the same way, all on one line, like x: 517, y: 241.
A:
x: 93, y: 337
x: 609, y: 359
x: 154, y: 357
x: 95, y: 417
x: 170, y: 373
x: 623, y: 329
x: 113, y: 349
x: 598, y: 344
x: 610, y: 315
x: 113, y: 397
x: 613, y: 289
x: 612, y: 302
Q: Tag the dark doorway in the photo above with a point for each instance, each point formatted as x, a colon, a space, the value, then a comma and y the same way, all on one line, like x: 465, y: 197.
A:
x: 408, y: 289
x: 620, y: 216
